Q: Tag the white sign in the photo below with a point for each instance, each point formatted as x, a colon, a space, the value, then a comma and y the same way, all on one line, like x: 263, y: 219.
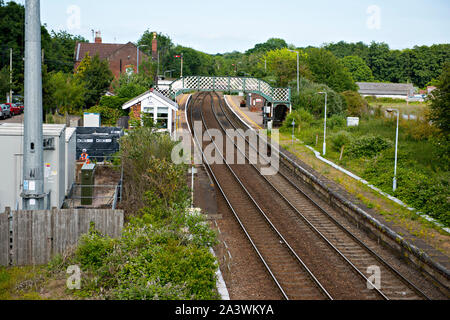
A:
x: 91, y: 120
x: 352, y: 122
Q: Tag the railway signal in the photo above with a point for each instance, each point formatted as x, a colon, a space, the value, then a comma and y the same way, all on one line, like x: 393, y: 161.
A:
x: 180, y: 56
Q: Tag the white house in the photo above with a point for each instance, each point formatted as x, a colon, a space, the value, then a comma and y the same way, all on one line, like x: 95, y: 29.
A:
x: 160, y: 108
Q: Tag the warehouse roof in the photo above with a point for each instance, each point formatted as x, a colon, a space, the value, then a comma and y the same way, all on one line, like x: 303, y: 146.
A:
x: 374, y: 88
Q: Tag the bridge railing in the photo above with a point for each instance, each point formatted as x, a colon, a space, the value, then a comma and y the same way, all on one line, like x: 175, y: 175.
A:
x: 230, y: 84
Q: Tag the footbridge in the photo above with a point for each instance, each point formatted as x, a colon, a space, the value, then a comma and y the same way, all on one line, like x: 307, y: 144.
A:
x: 274, y: 96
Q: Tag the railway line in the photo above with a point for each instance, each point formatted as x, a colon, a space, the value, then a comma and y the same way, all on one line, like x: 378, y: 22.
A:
x: 305, y: 250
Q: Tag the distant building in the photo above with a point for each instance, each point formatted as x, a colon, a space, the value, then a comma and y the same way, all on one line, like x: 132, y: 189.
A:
x: 160, y: 108
x: 386, y: 90
x: 122, y: 58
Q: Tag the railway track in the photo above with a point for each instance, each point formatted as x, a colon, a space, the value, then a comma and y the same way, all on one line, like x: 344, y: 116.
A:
x: 308, y: 254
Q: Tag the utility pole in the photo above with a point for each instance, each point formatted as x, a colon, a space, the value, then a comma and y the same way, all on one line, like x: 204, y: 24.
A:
x: 10, y: 74
x: 33, y: 154
x: 325, y: 125
x: 181, y: 65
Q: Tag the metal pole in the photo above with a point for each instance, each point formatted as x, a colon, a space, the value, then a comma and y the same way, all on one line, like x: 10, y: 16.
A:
x: 33, y: 160
x: 137, y: 54
x: 293, y: 131
x: 10, y: 74
x: 325, y: 127
x: 396, y: 153
x: 181, y: 65
x: 298, y: 73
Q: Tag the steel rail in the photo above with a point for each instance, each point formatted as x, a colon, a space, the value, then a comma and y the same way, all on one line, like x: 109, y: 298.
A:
x: 199, y: 146
x: 308, y: 223
x: 291, y: 250
x: 329, y: 216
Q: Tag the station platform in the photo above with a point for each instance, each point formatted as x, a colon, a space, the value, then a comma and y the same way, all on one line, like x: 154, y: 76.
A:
x: 253, y: 119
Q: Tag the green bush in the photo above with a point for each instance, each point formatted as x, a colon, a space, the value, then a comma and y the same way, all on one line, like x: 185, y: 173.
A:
x: 422, y: 189
x: 302, y: 119
x: 340, y: 139
x: 336, y: 121
x: 368, y: 146
x: 310, y: 100
x: 109, y: 116
x: 356, y: 105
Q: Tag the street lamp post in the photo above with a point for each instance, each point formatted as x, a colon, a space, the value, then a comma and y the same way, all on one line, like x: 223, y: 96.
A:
x: 325, y: 125
x: 293, y: 131
x: 394, y: 186
x: 137, y: 54
x: 298, y: 70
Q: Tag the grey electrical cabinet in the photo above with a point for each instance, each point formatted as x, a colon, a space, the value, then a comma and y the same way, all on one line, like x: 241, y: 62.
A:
x: 11, y: 164
x: 87, y: 184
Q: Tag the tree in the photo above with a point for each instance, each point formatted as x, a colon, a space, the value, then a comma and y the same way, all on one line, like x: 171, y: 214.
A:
x: 96, y: 77
x: 327, y: 69
x: 356, y: 105
x: 440, y: 102
x: 282, y: 64
x: 66, y: 93
x: 358, y: 68
x: 4, y: 82
x: 130, y: 86
x: 269, y: 45
x: 59, y: 55
x: 313, y: 102
x: 165, y: 46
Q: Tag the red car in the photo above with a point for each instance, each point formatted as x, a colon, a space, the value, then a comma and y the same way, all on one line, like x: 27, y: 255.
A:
x: 15, y: 110
x: 20, y: 105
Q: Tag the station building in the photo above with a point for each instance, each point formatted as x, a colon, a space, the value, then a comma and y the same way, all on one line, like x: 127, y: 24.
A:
x: 160, y: 108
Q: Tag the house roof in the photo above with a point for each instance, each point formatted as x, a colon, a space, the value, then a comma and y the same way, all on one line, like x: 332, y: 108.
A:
x: 104, y: 50
x: 146, y: 95
x: 375, y: 88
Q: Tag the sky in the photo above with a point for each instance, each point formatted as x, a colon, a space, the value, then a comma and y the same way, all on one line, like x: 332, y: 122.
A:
x: 223, y: 26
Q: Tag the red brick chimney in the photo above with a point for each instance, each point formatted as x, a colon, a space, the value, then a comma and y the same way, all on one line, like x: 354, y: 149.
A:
x: 98, y: 37
x: 154, y: 47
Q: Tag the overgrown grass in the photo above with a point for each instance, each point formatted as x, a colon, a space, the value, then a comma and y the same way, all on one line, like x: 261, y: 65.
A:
x: 163, y: 252
x: 369, y: 150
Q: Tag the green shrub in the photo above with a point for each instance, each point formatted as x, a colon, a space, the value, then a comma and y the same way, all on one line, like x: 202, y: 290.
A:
x: 368, y: 146
x: 109, y: 116
x: 340, y: 139
x: 92, y: 250
x: 336, y: 121
x: 356, y: 105
x: 422, y: 189
x: 310, y: 100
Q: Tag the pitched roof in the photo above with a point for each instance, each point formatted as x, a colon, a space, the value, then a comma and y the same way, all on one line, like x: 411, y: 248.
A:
x: 104, y: 50
x: 146, y: 95
x: 385, y: 88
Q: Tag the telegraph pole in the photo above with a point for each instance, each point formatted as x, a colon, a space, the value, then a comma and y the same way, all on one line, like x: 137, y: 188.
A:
x: 33, y: 157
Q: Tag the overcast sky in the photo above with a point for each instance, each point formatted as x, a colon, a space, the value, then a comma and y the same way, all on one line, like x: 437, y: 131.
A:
x: 222, y: 26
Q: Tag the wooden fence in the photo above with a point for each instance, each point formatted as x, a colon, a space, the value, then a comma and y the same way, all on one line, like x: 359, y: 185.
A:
x: 34, y: 237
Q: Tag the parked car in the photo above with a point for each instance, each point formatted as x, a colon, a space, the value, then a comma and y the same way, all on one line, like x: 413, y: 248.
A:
x: 15, y: 110
x: 6, y: 112
x: 20, y: 106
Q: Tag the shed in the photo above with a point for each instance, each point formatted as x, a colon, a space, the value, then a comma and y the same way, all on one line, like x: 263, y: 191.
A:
x: 160, y: 108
